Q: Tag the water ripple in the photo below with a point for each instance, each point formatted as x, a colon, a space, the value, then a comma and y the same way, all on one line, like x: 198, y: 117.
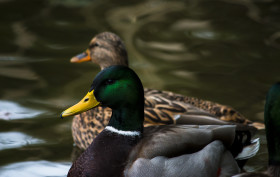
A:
x: 9, y: 140
x: 10, y: 110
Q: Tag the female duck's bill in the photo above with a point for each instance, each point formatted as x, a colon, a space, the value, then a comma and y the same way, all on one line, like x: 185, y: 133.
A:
x: 83, y: 57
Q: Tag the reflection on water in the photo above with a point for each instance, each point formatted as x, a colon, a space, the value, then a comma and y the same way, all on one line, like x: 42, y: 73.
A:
x: 10, y: 110
x: 222, y: 50
x: 9, y: 140
x: 35, y: 169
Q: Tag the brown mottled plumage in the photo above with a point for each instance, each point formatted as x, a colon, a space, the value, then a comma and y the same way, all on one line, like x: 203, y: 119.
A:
x: 161, y: 107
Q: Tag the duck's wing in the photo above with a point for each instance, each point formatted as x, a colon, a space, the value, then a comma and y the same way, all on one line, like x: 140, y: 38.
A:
x: 213, y: 160
x: 174, y: 140
x: 160, y: 110
x: 173, y: 104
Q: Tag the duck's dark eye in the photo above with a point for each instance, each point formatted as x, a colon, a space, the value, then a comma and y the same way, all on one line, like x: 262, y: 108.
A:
x: 86, y: 99
x: 93, y: 45
x: 109, y: 81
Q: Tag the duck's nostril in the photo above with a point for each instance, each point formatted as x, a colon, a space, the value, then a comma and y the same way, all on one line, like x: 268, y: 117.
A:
x: 86, y: 100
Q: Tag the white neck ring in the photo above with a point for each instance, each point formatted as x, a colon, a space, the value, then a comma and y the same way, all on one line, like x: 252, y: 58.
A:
x: 122, y: 132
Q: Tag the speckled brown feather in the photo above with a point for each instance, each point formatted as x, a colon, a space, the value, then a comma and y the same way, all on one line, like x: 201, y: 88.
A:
x: 87, y: 125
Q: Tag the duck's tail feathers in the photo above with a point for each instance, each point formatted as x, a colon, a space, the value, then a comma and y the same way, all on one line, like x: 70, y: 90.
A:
x: 249, y: 150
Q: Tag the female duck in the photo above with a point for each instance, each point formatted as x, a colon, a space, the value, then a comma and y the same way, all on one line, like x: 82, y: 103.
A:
x: 125, y: 148
x: 161, y: 107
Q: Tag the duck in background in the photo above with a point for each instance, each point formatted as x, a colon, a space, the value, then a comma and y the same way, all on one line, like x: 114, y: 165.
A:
x: 126, y: 148
x: 272, y: 129
x: 161, y: 107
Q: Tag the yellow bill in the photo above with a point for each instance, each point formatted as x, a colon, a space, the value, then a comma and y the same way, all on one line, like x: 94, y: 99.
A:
x: 85, y: 56
x: 88, y: 102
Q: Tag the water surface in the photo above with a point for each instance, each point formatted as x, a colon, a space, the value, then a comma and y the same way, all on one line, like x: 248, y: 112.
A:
x: 225, y: 51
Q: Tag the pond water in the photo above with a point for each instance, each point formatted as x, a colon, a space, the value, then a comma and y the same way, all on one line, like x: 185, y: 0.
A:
x: 225, y: 51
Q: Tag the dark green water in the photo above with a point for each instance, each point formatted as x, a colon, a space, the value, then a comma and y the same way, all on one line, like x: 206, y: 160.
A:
x: 224, y: 51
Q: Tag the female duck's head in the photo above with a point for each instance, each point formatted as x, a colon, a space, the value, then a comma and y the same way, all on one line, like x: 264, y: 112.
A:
x: 105, y: 49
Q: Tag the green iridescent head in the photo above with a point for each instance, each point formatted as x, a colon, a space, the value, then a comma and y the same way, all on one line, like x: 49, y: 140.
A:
x: 272, y: 123
x: 119, y: 88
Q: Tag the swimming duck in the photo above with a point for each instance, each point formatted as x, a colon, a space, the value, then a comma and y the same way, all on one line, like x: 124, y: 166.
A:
x: 272, y: 128
x: 161, y: 107
x: 126, y: 148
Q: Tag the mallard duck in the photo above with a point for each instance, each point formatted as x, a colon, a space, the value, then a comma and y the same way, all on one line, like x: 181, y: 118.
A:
x: 126, y: 148
x: 161, y: 107
x: 272, y: 128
